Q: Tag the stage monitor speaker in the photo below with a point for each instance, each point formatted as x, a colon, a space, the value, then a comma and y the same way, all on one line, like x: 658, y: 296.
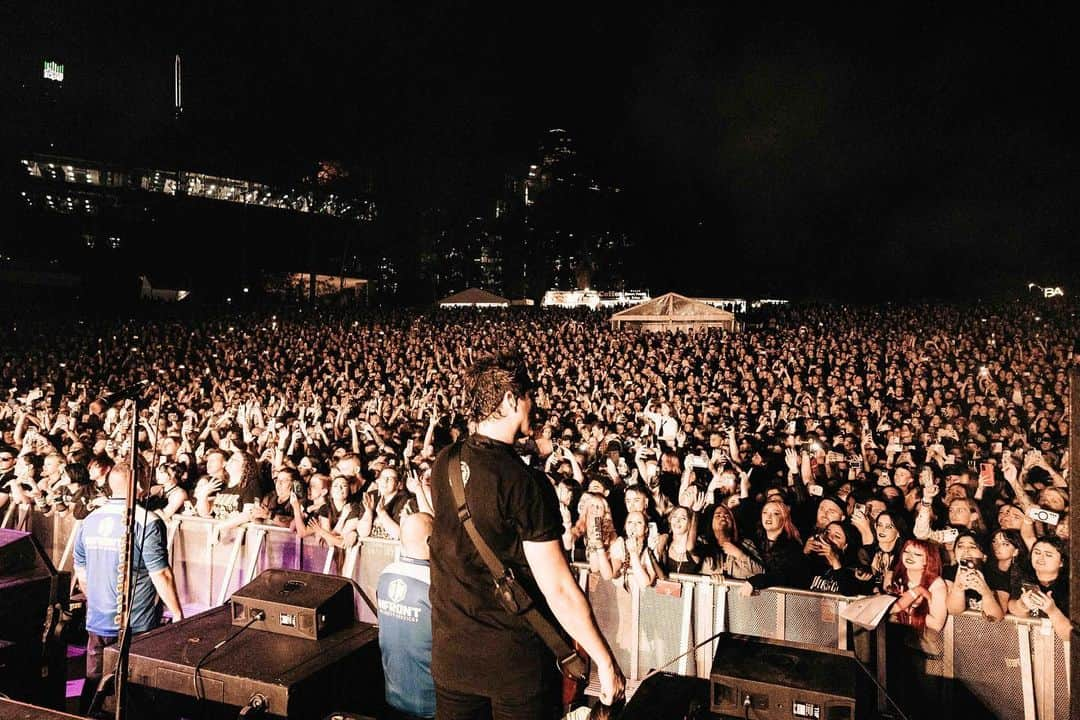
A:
x: 295, y: 677
x: 31, y: 668
x: 786, y: 680
x: 666, y: 696
x: 301, y: 604
x: 19, y: 554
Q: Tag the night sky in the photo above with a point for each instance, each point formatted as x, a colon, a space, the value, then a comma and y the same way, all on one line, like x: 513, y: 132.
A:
x: 863, y: 155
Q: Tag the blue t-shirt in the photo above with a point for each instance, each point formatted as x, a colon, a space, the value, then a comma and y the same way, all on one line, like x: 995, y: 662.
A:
x: 99, y: 543
x: 405, y: 636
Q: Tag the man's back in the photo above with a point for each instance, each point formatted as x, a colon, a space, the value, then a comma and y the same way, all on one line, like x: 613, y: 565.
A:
x: 405, y: 636
x: 509, y: 505
x: 98, y: 547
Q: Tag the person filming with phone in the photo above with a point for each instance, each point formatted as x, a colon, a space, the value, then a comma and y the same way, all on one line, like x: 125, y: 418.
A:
x: 1042, y: 588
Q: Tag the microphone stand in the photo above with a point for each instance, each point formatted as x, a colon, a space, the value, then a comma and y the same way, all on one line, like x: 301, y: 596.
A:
x: 125, y: 572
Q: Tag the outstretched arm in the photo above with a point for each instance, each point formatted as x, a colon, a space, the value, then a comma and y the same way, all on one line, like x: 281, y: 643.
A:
x: 571, y: 609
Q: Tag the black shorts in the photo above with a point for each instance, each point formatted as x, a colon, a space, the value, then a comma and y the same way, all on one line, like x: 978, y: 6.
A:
x: 542, y: 705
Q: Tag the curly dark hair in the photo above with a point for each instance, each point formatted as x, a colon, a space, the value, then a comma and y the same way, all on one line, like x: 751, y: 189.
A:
x: 488, y: 380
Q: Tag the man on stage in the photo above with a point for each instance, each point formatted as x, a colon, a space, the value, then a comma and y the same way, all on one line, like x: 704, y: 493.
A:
x: 487, y: 662
x: 99, y: 546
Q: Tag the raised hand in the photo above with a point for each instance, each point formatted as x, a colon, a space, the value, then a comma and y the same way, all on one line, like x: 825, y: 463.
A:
x: 206, y: 487
x: 369, y: 502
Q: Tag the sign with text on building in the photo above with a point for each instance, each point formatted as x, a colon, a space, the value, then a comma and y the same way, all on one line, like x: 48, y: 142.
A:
x: 1053, y: 292
x: 53, y: 71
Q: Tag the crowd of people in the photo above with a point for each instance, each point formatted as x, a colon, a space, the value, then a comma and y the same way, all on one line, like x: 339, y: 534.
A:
x: 919, y: 451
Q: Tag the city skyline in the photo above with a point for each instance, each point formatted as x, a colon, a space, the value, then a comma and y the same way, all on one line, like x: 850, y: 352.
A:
x: 824, y: 157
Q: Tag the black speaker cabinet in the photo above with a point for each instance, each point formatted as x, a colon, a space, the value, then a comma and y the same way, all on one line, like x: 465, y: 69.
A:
x: 301, y: 604
x: 667, y: 696
x: 787, y: 680
x: 30, y: 589
x: 18, y: 554
x: 298, y: 678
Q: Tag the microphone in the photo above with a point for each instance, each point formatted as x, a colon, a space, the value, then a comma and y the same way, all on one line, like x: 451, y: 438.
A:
x: 128, y: 393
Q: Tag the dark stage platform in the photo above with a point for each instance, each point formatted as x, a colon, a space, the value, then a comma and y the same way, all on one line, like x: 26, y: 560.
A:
x: 299, y: 678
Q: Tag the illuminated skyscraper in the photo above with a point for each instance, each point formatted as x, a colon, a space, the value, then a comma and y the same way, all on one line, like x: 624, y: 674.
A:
x: 563, y: 226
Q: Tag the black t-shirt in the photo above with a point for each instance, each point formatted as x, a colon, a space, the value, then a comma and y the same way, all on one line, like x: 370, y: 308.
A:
x: 333, y: 515
x: 279, y: 508
x: 230, y: 500
x: 998, y: 579
x: 478, y: 647
x: 159, y: 500
x: 1060, y: 589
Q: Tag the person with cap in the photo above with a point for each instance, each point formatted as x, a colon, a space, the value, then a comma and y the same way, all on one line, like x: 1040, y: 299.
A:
x: 486, y: 659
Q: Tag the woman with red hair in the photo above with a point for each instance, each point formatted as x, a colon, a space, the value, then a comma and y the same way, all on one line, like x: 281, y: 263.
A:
x: 918, y: 615
x: 918, y: 585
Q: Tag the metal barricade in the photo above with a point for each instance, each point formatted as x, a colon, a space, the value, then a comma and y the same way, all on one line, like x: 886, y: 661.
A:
x: 760, y: 615
x: 787, y: 614
x: 314, y: 554
x: 55, y: 532
x: 986, y: 659
x: 1062, y: 675
x: 271, y: 546
x: 1016, y: 668
x: 1050, y: 670
x: 665, y: 619
x: 374, y: 555
x: 206, y: 557
x: 616, y: 615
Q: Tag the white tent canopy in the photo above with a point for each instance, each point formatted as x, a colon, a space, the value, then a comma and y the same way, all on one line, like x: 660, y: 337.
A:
x: 674, y: 312
x: 474, y: 297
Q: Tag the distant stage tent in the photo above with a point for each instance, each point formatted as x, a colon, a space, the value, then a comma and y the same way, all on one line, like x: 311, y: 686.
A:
x: 673, y: 312
x: 474, y: 297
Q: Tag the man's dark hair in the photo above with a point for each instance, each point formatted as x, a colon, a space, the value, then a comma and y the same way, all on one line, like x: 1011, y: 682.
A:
x: 103, y: 461
x: 489, y: 379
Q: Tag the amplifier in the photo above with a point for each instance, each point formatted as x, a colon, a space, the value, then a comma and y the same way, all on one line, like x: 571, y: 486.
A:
x: 301, y: 604
x: 297, y: 678
x: 30, y: 590
x: 19, y: 553
x: 786, y: 680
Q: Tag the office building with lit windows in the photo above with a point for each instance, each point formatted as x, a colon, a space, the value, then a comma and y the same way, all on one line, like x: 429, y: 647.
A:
x: 562, y: 226
x: 152, y: 211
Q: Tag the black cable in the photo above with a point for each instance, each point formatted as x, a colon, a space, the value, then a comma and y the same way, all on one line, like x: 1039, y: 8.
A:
x: 681, y: 656
x: 255, y: 616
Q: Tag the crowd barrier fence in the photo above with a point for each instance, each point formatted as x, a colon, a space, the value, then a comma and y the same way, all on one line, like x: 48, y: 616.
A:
x: 1014, y: 668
